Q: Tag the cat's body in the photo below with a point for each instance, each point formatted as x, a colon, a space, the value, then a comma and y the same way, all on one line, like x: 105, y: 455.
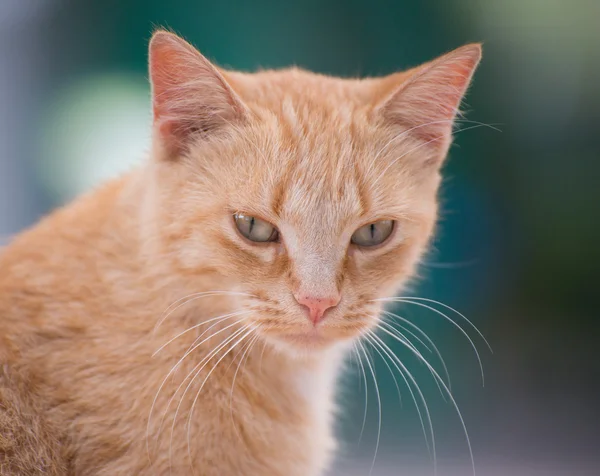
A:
x: 90, y: 294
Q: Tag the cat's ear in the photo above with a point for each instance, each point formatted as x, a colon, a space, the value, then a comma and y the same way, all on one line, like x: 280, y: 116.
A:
x: 426, y: 104
x: 190, y: 97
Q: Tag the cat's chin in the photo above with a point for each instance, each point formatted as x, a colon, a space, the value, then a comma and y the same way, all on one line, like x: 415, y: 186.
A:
x: 307, y: 339
x: 311, y: 341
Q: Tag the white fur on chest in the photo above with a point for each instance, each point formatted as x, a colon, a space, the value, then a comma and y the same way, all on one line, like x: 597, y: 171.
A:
x: 316, y: 388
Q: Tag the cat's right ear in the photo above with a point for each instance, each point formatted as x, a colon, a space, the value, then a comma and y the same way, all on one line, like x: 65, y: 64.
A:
x: 190, y: 97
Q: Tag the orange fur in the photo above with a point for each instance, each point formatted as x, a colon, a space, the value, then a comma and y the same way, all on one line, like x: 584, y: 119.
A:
x: 82, y: 292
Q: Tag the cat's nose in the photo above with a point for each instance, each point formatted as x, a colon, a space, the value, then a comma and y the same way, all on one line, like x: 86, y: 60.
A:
x: 317, y: 305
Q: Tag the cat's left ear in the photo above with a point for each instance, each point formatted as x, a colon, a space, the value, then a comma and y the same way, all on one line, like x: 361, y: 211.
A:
x: 190, y: 96
x: 426, y: 103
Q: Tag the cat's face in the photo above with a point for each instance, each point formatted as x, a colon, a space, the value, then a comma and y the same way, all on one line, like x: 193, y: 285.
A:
x: 309, y: 196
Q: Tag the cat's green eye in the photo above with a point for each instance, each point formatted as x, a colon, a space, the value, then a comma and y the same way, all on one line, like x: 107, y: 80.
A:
x: 255, y: 229
x: 373, y: 234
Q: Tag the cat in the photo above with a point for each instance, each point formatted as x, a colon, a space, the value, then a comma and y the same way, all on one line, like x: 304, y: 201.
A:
x: 192, y: 316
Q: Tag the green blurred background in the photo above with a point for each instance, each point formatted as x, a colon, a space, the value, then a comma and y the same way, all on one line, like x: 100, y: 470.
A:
x: 516, y: 250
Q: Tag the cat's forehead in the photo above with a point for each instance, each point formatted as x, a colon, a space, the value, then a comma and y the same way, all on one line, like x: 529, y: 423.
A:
x: 319, y: 167
x: 308, y: 194
x: 305, y: 89
x: 314, y: 151
x: 308, y: 182
x: 315, y: 180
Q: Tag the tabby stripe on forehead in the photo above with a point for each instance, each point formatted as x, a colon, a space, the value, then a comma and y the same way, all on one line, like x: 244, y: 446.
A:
x: 291, y: 133
x: 363, y: 197
x: 278, y: 198
x: 282, y: 186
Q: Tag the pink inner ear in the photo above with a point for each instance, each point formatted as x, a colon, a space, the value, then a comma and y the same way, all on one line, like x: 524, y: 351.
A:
x: 428, y: 101
x: 458, y: 77
x: 168, y: 57
x: 189, y: 95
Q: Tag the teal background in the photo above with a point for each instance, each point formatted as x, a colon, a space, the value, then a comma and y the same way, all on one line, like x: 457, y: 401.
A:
x: 517, y: 249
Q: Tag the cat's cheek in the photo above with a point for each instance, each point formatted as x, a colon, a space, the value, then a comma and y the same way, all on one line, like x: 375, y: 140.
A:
x: 381, y: 275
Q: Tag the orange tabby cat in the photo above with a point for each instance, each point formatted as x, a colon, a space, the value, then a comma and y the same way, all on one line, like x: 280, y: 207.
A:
x: 191, y: 316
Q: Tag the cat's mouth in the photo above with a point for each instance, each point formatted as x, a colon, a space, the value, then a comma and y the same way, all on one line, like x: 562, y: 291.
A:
x: 295, y: 331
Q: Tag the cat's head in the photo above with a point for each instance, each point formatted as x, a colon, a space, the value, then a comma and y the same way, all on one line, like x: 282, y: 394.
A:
x: 310, y: 196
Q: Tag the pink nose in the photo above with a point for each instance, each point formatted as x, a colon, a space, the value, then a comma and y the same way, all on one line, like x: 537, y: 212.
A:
x: 317, y: 306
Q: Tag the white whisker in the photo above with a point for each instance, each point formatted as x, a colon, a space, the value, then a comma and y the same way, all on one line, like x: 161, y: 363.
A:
x: 423, y: 144
x: 445, y: 121
x: 192, y: 297
x: 200, y: 324
x: 378, y: 406
x: 196, y: 371
x: 404, y: 373
x: 189, y: 422
x: 445, y: 316
x: 455, y: 405
x: 392, y: 374
x: 189, y: 351
x: 425, y: 336
x: 398, y: 336
x: 250, y: 345
x: 362, y: 429
x: 439, y: 303
x: 408, y: 331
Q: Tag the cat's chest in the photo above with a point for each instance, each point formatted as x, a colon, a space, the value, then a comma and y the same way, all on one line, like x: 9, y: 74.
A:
x: 244, y: 417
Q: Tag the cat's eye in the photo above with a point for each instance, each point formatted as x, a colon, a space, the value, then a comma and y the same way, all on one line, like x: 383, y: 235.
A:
x: 255, y: 229
x: 373, y: 234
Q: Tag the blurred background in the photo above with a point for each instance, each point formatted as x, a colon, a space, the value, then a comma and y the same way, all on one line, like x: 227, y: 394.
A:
x: 517, y: 245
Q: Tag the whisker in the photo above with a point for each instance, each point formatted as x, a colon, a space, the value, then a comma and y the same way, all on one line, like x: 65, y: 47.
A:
x: 246, y: 352
x: 378, y: 406
x: 366, y: 393
x: 165, y: 380
x: 426, y: 337
x: 193, y: 297
x: 189, y: 423
x: 404, y: 373
x: 397, y: 335
x: 454, y: 404
x: 208, y: 356
x: 357, y: 368
x: 418, y: 147
x: 436, y: 350
x: 449, y: 319
x: 445, y: 121
x: 392, y: 374
x: 408, y: 331
x: 414, y: 298
x: 200, y: 324
x: 196, y: 371
x: 479, y: 123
